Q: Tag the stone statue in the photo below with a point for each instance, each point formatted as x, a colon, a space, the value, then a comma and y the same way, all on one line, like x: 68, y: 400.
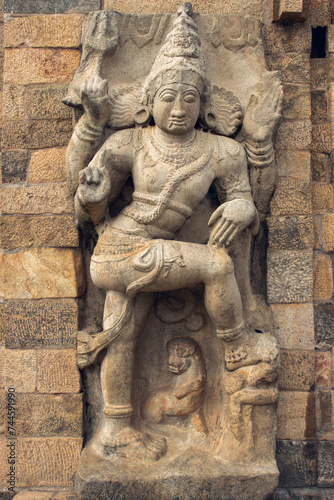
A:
x: 173, y: 158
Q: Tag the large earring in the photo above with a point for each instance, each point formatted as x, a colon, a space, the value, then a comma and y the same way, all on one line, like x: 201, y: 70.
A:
x: 142, y: 115
x: 210, y: 118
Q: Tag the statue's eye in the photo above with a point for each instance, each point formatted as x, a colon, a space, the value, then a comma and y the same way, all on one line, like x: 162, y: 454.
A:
x: 189, y: 98
x: 167, y: 97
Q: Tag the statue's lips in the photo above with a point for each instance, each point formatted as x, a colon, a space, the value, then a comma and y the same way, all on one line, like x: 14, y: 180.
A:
x: 178, y: 123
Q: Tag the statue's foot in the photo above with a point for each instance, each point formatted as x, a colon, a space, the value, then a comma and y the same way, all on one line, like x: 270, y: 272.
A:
x: 129, y: 443
x: 250, y: 349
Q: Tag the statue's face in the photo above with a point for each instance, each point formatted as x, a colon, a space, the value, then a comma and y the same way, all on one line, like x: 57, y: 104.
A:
x: 176, y: 108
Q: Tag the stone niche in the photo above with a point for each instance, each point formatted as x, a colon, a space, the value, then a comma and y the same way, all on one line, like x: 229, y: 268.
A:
x: 216, y: 424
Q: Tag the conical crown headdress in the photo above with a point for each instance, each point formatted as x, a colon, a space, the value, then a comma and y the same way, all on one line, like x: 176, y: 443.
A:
x: 180, y: 59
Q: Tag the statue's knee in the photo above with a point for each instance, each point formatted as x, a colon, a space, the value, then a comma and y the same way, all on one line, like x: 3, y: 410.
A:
x: 224, y: 266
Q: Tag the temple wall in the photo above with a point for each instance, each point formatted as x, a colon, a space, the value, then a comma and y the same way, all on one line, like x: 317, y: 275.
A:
x: 42, y: 269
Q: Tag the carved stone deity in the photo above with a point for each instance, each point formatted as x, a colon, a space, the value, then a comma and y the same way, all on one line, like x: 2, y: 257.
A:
x: 185, y: 364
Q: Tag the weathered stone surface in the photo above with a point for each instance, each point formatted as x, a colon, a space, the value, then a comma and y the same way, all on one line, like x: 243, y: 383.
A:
x: 252, y: 7
x: 325, y: 414
x: 21, y: 370
x: 323, y: 277
x: 292, y: 197
x: 297, y: 370
x: 323, y: 324
x: 49, y: 6
x: 296, y: 415
x: 317, y: 233
x: 323, y: 198
x: 321, y: 138
x: 57, y: 371
x: 36, y: 200
x: 13, y: 102
x: 45, y: 102
x: 47, y: 165
x: 290, y: 276
x: 36, y: 134
x: 38, y: 231
x: 42, y: 323
x: 326, y: 463
x: 289, y: 10
x: 43, y: 31
x: 304, y: 493
x: 47, y: 461
x: 291, y: 233
x: 331, y: 166
x: 2, y: 367
x: 295, y: 68
x: 293, y: 164
x: 14, y: 166
x: 49, y: 415
x: 25, y: 66
x: 287, y: 38
x: 319, y: 167
x: 328, y: 232
x: 330, y: 38
x: 294, y: 135
x: 296, y: 103
x: 319, y: 106
x: 34, y: 495
x: 319, y: 13
x: 296, y: 461
x: 323, y: 369
x: 318, y: 72
x: 43, y: 273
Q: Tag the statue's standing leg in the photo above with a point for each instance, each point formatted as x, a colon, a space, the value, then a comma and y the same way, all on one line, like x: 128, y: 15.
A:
x: 116, y: 431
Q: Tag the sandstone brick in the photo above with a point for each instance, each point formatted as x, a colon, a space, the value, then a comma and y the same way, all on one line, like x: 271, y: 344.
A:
x: 293, y: 164
x: 323, y: 324
x: 13, y: 102
x: 2, y: 366
x: 297, y: 463
x: 292, y: 197
x: 297, y: 370
x: 330, y: 38
x: 41, y: 323
x: 328, y: 232
x: 331, y: 166
x: 47, y: 461
x: 290, y: 276
x: 319, y: 106
x: 2, y: 423
x: 321, y: 138
x: 47, y: 165
x: 25, y: 66
x: 317, y: 233
x: 64, y: 495
x: 296, y: 415
x: 34, y: 495
x: 251, y: 7
x: 325, y: 414
x: 291, y: 233
x: 289, y: 10
x: 38, y: 231
x: 49, y: 6
x: 295, y: 68
x: 319, y: 13
x: 21, y: 370
x: 319, y: 166
x: 43, y: 273
x: 322, y: 277
x: 45, y: 102
x: 326, y: 463
x: 323, y: 198
x: 57, y: 371
x: 287, y: 38
x: 318, y: 73
x: 296, y: 102
x: 41, y: 199
x: 14, y: 166
x: 323, y: 369
x: 49, y: 415
x: 43, y: 31
x: 294, y: 135
x: 36, y: 134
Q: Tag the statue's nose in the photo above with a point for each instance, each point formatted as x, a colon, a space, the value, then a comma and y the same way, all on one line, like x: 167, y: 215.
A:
x: 178, y: 110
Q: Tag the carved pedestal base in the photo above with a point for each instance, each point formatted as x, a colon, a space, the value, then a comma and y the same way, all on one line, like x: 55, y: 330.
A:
x: 194, y: 474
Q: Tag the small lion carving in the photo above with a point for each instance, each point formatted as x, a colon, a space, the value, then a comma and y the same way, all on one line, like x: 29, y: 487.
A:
x: 185, y: 395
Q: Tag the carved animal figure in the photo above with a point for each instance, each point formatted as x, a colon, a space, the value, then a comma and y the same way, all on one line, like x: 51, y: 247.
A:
x: 185, y: 395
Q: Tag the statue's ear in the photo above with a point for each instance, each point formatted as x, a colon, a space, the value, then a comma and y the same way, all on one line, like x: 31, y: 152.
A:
x: 142, y: 115
x: 210, y: 118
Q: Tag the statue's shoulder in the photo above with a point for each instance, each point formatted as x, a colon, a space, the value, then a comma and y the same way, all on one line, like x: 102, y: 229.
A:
x: 227, y: 148
x: 122, y: 140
